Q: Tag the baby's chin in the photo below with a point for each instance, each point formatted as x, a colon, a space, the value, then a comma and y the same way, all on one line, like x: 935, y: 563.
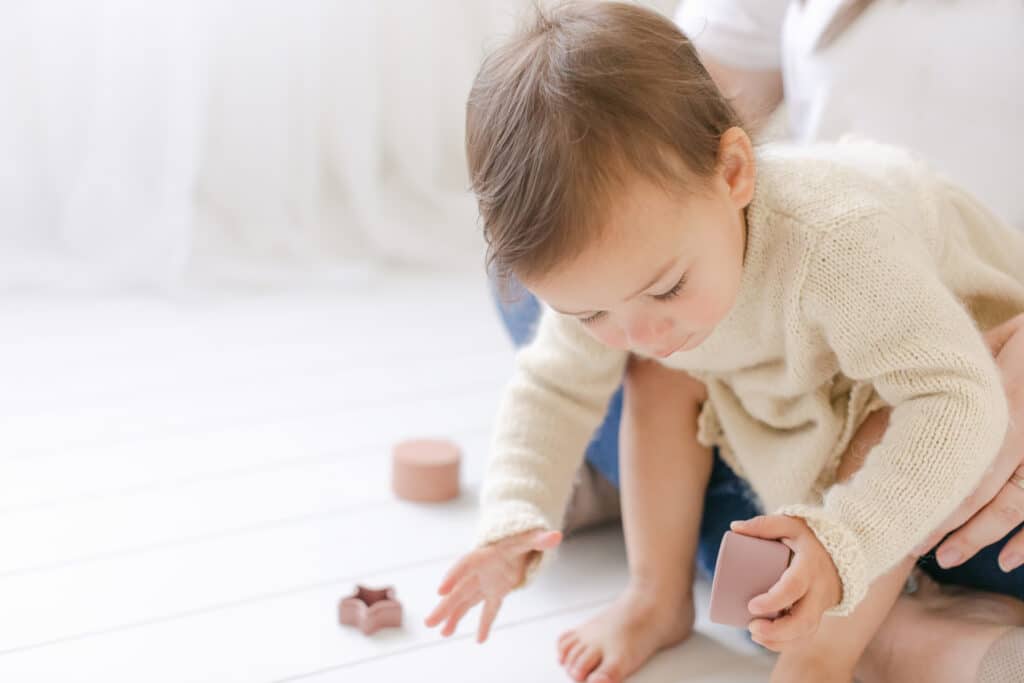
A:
x: 696, y: 341
x: 689, y: 343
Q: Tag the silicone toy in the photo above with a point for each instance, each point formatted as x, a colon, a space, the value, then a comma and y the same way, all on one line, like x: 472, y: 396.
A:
x: 370, y: 610
x: 425, y: 470
x: 747, y: 567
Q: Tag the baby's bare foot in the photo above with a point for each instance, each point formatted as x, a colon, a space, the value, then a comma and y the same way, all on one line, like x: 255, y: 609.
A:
x: 621, y: 639
x: 938, y: 635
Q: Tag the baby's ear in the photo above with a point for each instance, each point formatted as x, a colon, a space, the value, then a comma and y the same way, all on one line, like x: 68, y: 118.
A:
x: 737, y: 166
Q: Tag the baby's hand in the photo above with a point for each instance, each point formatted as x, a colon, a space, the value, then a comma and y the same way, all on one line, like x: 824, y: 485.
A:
x: 487, y: 574
x: 810, y: 586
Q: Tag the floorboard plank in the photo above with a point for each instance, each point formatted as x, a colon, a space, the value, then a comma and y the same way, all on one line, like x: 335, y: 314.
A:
x: 189, y: 484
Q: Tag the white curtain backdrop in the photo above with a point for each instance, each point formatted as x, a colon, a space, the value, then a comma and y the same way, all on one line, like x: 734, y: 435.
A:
x: 155, y: 142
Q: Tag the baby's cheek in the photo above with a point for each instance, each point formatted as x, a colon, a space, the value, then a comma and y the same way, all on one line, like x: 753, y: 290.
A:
x: 609, y: 335
x: 708, y: 310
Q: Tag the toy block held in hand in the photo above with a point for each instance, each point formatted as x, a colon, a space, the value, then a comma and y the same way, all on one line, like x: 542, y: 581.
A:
x: 747, y: 567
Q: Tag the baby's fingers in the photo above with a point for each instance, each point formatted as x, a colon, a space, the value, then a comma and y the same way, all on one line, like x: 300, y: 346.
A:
x: 438, y: 614
x: 787, y: 590
x: 771, y: 527
x: 456, y: 616
x: 801, y: 622
x: 468, y: 590
x: 537, y: 540
x: 454, y: 575
x: 487, y: 617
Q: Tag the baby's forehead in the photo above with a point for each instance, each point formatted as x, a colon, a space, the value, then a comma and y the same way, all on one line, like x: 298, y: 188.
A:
x: 649, y: 225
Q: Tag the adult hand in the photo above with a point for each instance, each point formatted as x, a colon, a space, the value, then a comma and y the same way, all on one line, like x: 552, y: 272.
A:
x: 996, y: 507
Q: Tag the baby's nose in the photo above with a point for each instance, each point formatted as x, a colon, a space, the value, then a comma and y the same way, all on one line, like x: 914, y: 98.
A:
x: 647, y: 333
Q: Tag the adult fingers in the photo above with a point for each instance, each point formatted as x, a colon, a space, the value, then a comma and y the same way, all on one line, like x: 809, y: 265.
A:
x: 1001, y: 516
x: 992, y: 482
x: 1012, y: 554
x: 996, y: 477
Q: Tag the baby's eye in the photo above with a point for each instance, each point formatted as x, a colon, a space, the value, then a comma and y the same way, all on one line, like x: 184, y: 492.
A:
x: 592, y: 318
x: 672, y: 292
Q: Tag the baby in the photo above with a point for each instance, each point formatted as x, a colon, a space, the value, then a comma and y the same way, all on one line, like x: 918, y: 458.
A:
x: 811, y: 299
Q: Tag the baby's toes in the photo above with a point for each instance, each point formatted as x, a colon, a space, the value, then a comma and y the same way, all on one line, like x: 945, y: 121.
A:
x: 565, y: 643
x: 568, y: 636
x: 575, y: 652
x: 608, y: 672
x: 585, y: 663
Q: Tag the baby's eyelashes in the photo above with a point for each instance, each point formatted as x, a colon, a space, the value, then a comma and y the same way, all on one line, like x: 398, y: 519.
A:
x: 678, y: 287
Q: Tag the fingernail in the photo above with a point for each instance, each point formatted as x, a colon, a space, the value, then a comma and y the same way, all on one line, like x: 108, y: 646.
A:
x: 948, y: 557
x: 1010, y: 562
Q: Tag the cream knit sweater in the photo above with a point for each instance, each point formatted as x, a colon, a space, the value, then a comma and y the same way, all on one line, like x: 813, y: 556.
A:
x: 866, y: 279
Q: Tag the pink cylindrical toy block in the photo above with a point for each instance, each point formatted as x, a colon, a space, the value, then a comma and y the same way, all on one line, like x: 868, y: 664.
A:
x: 425, y: 470
x: 746, y: 568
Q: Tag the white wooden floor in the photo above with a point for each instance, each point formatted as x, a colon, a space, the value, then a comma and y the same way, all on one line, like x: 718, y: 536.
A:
x: 189, y: 484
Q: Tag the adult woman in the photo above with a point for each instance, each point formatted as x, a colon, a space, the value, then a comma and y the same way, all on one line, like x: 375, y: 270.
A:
x: 889, y: 71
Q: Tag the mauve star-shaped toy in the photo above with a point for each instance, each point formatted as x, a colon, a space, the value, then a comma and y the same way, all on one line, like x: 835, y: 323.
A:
x: 370, y: 610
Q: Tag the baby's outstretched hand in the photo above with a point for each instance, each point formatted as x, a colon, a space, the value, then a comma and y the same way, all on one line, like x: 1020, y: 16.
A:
x: 487, y: 574
x: 809, y: 586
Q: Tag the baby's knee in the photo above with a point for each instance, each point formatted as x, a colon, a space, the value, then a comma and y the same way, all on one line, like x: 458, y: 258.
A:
x: 867, y: 437
x: 649, y: 378
x: 1016, y: 322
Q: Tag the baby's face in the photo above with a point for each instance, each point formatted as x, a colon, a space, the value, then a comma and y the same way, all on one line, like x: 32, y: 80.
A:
x: 666, y: 273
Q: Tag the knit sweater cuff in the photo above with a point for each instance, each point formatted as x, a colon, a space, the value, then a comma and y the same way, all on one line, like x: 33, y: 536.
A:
x: 510, y: 518
x: 845, y: 550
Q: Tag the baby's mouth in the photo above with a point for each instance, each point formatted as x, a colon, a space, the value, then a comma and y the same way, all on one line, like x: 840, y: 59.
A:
x: 666, y: 354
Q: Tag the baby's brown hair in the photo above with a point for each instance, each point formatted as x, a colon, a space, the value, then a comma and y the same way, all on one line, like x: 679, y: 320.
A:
x: 567, y: 110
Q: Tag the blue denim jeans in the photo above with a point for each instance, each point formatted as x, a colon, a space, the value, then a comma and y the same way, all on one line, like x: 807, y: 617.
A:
x: 728, y: 497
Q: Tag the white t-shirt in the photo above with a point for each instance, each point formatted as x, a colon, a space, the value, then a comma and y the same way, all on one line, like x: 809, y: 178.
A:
x: 944, y: 79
